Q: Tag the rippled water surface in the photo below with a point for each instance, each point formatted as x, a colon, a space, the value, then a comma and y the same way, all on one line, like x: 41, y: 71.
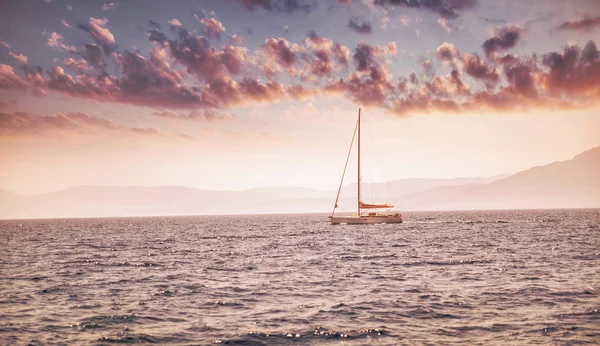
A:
x: 502, y: 277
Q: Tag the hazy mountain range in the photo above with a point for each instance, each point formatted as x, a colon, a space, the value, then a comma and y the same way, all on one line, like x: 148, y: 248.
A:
x: 573, y: 183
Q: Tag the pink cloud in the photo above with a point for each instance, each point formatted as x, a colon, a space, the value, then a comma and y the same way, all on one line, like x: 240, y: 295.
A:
x: 22, y: 58
x: 447, y: 52
x: 280, y: 51
x: 584, y: 23
x: 55, y: 41
x: 476, y: 68
x: 213, y: 27
x: 206, y: 115
x: 21, y: 124
x: 79, y: 65
x: 235, y: 40
x: 174, y: 22
x: 188, y: 73
x: 96, y: 27
x: 9, y: 80
x: 204, y: 61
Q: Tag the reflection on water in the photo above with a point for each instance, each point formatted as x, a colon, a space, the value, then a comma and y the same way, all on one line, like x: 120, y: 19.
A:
x: 444, y: 278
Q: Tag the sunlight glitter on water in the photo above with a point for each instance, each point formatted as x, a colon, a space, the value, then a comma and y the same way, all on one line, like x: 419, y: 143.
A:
x: 439, y: 278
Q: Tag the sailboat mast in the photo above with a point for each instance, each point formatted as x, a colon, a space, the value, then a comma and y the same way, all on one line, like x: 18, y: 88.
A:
x: 359, y: 178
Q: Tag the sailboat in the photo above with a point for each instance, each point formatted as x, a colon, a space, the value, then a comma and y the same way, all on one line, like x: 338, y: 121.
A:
x: 362, y: 217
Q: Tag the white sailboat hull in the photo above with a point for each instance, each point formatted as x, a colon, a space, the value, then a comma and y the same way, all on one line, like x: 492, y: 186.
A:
x: 365, y: 220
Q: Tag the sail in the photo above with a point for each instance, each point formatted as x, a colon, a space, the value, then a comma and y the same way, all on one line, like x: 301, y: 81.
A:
x: 364, y: 205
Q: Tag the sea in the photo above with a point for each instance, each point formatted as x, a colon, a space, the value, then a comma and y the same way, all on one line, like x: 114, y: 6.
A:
x: 441, y: 278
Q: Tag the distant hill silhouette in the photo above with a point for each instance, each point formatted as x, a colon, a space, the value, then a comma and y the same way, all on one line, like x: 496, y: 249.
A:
x: 573, y: 183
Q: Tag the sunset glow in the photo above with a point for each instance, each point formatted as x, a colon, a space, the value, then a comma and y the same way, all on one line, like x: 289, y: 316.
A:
x: 238, y: 94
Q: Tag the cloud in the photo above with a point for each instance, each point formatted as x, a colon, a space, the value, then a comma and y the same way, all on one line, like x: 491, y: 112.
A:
x: 154, y: 83
x: 363, y: 56
x: 280, y: 6
x: 298, y: 92
x: 55, y: 41
x: 174, y: 23
x: 22, y: 58
x: 504, y: 38
x: 212, y: 27
x: 447, y: 9
x: 185, y: 71
x: 5, y: 103
x: 155, y: 24
x: 584, y: 23
x: 427, y: 67
x: 5, y: 44
x: 476, y: 68
x: 101, y: 35
x: 149, y: 83
x: 323, y: 56
x: 64, y: 22
x: 157, y: 36
x: 366, y: 55
x: 368, y: 89
x: 280, y: 51
x: 109, y: 6
x: 235, y: 40
x: 360, y: 26
x: 205, y: 115
x: 443, y: 22
x: 561, y: 80
x: 447, y: 52
x: 574, y: 72
x: 93, y: 54
x: 22, y: 124
x: 204, y: 61
x: 9, y: 80
x: 149, y: 131
x: 79, y: 65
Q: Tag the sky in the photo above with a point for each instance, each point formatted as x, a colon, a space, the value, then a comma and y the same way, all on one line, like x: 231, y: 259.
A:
x: 237, y: 94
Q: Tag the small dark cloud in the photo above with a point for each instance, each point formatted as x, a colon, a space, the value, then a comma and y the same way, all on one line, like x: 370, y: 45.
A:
x: 446, y: 9
x: 504, y: 38
x: 363, y: 56
x: 495, y: 21
x: 280, y: 6
x: 585, y: 23
x: 109, y: 6
x: 360, y: 26
x: 92, y: 53
x: 155, y: 24
x: 157, y: 36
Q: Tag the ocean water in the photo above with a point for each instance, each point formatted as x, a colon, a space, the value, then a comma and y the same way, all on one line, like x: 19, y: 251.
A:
x: 451, y: 278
